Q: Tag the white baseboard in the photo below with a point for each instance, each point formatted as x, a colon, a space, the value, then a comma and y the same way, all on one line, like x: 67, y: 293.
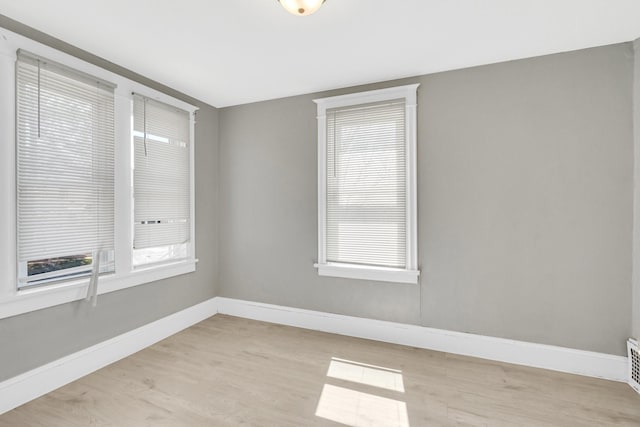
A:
x: 555, y: 358
x: 44, y: 379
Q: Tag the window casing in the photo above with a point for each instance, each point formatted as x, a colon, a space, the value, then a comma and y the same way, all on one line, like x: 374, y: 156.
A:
x: 65, y: 177
x: 161, y: 182
x: 367, y: 207
x: 117, y: 257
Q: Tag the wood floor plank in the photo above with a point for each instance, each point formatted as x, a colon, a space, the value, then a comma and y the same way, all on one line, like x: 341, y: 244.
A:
x: 229, y: 371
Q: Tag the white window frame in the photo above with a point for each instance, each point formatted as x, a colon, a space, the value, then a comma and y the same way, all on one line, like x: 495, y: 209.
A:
x: 14, y: 301
x: 191, y: 243
x: 410, y: 274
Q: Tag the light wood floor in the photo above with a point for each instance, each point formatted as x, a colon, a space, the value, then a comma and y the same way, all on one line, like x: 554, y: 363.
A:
x: 228, y: 371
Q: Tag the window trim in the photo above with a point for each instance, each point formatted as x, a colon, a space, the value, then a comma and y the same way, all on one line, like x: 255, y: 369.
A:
x: 191, y: 242
x: 411, y: 273
x: 60, y: 82
x: 14, y: 301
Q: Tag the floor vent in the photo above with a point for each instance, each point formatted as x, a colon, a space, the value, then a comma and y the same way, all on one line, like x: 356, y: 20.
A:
x: 634, y: 364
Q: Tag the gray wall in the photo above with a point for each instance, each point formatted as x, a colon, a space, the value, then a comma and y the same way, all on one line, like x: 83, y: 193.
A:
x: 525, y: 174
x: 39, y: 337
x: 525, y: 206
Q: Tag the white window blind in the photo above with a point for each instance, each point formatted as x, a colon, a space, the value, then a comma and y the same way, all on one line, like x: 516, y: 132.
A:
x: 366, y: 210
x: 162, y: 205
x: 65, y: 170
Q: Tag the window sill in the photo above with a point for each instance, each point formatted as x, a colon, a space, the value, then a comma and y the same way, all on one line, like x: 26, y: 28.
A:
x: 382, y: 274
x: 27, y: 300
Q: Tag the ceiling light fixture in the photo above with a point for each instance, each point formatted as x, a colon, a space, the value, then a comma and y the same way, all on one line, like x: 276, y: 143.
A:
x: 301, y: 7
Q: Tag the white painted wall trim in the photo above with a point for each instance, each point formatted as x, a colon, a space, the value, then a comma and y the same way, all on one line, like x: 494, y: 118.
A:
x: 367, y: 272
x: 44, y: 379
x: 587, y: 363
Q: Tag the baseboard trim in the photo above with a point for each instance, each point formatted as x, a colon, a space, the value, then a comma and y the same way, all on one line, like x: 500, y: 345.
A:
x: 580, y: 362
x: 25, y: 387
x: 44, y: 379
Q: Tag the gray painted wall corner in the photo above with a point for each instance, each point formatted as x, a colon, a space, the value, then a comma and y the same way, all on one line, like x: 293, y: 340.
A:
x: 525, y: 181
x: 526, y: 206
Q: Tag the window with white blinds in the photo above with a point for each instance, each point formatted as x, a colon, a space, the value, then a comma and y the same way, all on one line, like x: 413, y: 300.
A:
x: 64, y: 171
x: 367, y: 185
x: 71, y: 224
x: 161, y: 139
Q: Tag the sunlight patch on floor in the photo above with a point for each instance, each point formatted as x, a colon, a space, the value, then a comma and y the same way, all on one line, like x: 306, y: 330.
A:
x: 357, y: 409
x: 377, y: 376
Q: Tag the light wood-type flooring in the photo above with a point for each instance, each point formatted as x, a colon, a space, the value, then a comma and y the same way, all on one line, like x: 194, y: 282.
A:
x: 228, y: 371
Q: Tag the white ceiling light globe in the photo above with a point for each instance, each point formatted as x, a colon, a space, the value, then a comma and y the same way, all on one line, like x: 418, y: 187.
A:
x: 301, y: 7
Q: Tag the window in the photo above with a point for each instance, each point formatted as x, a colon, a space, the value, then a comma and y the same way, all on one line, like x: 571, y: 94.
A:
x: 65, y: 179
x: 161, y: 182
x: 367, y: 185
x: 96, y: 194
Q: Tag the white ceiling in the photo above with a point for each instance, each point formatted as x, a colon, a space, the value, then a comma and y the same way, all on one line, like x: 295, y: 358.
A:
x: 228, y: 52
